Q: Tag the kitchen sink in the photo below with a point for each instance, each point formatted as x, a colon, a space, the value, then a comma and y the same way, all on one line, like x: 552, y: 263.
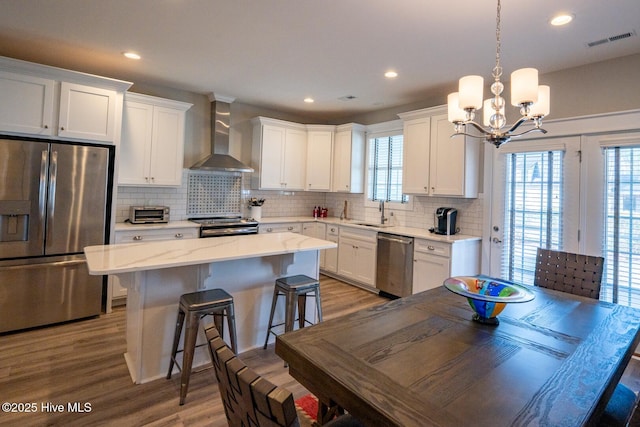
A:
x: 368, y: 224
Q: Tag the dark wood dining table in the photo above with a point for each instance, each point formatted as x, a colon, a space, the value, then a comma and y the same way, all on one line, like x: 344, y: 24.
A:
x: 421, y: 360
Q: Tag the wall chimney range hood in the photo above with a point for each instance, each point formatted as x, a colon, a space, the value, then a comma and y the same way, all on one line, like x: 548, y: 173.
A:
x: 219, y: 159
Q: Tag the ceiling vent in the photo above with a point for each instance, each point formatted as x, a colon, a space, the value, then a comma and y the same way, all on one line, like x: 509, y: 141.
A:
x: 612, y: 38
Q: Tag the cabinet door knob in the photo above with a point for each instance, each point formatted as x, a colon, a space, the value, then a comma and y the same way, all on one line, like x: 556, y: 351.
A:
x: 269, y: 230
x: 179, y: 235
x: 46, y: 126
x: 431, y: 248
x: 289, y: 228
x: 61, y: 127
x: 137, y: 237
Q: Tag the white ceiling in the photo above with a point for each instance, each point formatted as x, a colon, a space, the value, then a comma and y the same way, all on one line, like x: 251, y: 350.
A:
x: 274, y: 53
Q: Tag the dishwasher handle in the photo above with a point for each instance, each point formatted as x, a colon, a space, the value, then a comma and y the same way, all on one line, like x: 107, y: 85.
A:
x: 396, y: 239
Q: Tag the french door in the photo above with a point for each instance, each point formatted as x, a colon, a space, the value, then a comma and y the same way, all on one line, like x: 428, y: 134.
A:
x: 535, y: 203
x: 612, y: 212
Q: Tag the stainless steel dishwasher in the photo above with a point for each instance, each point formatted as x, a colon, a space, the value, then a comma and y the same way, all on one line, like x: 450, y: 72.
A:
x: 394, y: 273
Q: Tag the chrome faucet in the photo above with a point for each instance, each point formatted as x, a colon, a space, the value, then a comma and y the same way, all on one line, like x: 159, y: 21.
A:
x: 381, y: 209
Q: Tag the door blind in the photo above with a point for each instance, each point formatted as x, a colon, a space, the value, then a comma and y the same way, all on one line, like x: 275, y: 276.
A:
x: 533, y: 211
x: 621, y: 240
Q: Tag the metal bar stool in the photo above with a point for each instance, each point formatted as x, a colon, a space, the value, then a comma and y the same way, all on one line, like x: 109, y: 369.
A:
x: 294, y: 288
x: 194, y: 306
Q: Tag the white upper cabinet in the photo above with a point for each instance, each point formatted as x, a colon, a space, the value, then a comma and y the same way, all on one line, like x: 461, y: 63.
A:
x: 152, y: 147
x: 319, y: 157
x: 435, y: 164
x: 279, y: 155
x: 87, y: 112
x: 349, y: 159
x: 27, y: 104
x: 415, y: 152
x: 454, y: 163
x: 52, y: 102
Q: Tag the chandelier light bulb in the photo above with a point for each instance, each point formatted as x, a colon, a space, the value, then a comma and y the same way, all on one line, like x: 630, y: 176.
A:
x: 543, y: 106
x: 470, y: 92
x: 455, y: 113
x: 524, y: 86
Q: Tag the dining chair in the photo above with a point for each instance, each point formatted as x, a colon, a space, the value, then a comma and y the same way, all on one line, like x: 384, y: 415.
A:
x: 579, y: 274
x: 251, y: 400
x: 576, y: 274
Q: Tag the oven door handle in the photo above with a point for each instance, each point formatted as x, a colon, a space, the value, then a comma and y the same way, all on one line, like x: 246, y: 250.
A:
x: 215, y: 232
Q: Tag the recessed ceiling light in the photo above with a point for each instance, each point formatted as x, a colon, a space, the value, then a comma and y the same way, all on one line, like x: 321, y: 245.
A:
x: 391, y: 74
x: 562, y: 19
x: 131, y: 55
x: 309, y: 100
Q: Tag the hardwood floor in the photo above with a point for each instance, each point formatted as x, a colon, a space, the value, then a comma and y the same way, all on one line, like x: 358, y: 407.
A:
x: 82, y: 363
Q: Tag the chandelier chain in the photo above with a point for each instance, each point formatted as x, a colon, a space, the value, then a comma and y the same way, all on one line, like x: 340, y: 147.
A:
x: 497, y: 70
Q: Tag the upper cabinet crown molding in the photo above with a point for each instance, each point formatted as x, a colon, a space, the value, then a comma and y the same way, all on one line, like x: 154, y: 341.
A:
x: 61, y: 74
x: 157, y: 101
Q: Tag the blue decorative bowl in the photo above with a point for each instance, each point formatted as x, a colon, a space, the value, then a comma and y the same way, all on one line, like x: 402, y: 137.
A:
x: 487, y: 296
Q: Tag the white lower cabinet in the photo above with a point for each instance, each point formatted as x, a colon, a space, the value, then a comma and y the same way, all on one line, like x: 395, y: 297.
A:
x: 331, y: 255
x: 317, y: 230
x: 434, y: 261
x: 117, y: 293
x: 357, y: 255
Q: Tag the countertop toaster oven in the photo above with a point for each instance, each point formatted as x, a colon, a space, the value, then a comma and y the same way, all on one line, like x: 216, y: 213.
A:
x: 148, y: 214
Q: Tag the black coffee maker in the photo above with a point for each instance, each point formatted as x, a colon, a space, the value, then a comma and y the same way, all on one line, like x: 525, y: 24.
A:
x: 445, y: 221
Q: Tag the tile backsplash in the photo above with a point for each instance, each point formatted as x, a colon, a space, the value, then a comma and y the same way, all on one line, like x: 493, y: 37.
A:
x: 211, y: 193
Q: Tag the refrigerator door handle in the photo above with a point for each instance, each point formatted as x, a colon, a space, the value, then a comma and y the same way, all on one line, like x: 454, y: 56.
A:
x: 53, y: 173
x: 42, y: 191
x: 22, y: 267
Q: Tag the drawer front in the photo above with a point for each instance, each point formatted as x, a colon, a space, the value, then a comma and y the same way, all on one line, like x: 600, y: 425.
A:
x: 332, y: 230
x: 358, y: 234
x: 433, y: 247
x: 280, y: 228
x: 156, y: 235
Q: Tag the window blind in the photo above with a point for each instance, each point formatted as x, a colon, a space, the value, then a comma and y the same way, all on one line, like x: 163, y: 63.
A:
x: 621, y: 240
x: 385, y: 169
x: 533, y: 211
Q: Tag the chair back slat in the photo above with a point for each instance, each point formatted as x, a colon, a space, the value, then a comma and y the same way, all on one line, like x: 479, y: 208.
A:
x: 248, y: 399
x: 576, y: 274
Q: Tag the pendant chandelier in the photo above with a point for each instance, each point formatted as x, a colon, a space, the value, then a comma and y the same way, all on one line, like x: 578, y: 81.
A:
x: 532, y: 99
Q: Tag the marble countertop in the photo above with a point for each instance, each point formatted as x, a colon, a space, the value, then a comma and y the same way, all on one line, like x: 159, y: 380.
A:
x: 131, y: 257
x: 401, y: 230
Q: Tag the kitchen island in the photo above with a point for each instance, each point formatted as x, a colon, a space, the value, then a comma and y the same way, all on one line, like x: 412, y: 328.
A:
x: 157, y: 273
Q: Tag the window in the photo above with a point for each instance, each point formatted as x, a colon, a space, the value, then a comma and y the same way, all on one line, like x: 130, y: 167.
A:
x: 533, y: 210
x: 621, y: 240
x: 385, y: 169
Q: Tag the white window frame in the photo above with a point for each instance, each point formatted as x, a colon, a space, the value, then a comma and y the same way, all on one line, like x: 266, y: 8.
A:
x: 381, y: 130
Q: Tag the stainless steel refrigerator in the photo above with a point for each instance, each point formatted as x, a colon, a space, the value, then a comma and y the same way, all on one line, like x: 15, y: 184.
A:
x: 54, y: 201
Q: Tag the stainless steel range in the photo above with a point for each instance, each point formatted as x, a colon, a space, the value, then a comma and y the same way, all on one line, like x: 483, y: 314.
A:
x: 225, y: 226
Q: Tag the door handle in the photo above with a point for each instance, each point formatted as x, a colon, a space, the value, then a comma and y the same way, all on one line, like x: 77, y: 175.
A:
x: 53, y: 177
x: 496, y: 240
